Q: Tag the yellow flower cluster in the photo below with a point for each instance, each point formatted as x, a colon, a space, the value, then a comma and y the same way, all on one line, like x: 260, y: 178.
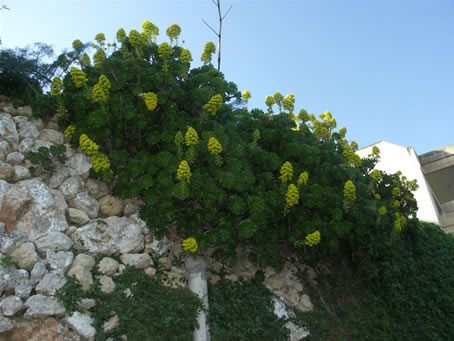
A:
x: 56, y: 87
x: 214, y: 104
x: 312, y: 239
x: 121, y: 35
x: 77, y: 44
x: 69, y: 131
x: 278, y: 98
x: 256, y: 136
x: 165, y: 51
x: 98, y: 94
x: 191, y: 137
x: 376, y: 175
x: 78, y: 76
x: 151, y: 100
x: 377, y: 196
x: 303, y: 178
x: 210, y: 48
x: 246, y: 95
x: 190, y: 245
x: 104, y: 82
x: 289, y: 103
x: 98, y: 58
x: 343, y: 132
x: 269, y: 100
x: 350, y: 190
x: 303, y: 115
x: 179, y: 139
x: 395, y: 204
x: 352, y: 157
x: 150, y: 29
x: 286, y: 172
x: 100, y: 163
x: 173, y: 32
x: 100, y: 38
x: 135, y: 38
x: 88, y: 146
x: 400, y: 222
x: 382, y: 210
x: 292, y: 196
x: 396, y: 192
x: 186, y: 56
x: 184, y: 171
x: 214, y: 147
x: 85, y: 60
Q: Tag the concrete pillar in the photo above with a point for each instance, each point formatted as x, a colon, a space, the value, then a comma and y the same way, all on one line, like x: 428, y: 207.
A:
x: 197, y: 281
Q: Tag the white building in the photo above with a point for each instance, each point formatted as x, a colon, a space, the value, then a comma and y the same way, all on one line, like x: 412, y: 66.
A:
x: 434, y: 173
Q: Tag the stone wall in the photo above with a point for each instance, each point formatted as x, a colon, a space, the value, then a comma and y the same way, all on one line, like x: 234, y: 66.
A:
x: 45, y: 217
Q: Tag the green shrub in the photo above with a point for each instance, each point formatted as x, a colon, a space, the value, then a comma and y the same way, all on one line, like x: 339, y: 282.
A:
x: 243, y: 310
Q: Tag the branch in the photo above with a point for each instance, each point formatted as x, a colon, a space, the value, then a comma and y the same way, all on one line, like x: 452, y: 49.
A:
x: 215, y: 3
x: 210, y: 28
x: 227, y: 12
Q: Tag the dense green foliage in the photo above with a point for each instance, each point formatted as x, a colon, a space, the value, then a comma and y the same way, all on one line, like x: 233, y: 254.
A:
x: 47, y: 158
x: 138, y: 101
x: 149, y: 311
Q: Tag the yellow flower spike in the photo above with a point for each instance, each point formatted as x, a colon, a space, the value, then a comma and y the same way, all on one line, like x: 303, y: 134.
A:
x: 214, y: 147
x: 56, y: 87
x: 210, y: 48
x: 191, y: 137
x: 350, y: 190
x: 69, y: 131
x: 377, y: 196
x: 286, y: 172
x: 100, y: 38
x: 292, y: 196
x: 179, y: 139
x: 88, y: 146
x: 85, y: 60
x: 135, y: 38
x: 78, y: 77
x: 396, y: 192
x: 100, y: 163
x: 214, y: 104
x: 190, y: 245
x: 98, y: 58
x: 395, y: 204
x: 256, y: 136
x: 150, y: 29
x: 382, y: 210
x: 186, y: 56
x: 351, y: 156
x: 278, y: 97
x: 246, y: 95
x: 376, y: 175
x: 173, y: 32
x: 312, y: 239
x: 104, y: 82
x: 343, y: 132
x: 77, y: 44
x: 269, y: 100
x: 98, y: 94
x: 165, y: 51
x: 303, y: 178
x: 184, y: 171
x: 151, y: 100
x: 289, y: 103
x: 121, y: 35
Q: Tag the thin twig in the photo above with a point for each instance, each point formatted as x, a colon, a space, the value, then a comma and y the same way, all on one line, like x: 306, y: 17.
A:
x: 217, y: 34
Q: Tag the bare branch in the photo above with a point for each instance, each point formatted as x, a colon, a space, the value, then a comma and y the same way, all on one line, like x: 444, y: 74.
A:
x: 210, y: 28
x: 215, y: 3
x: 227, y: 12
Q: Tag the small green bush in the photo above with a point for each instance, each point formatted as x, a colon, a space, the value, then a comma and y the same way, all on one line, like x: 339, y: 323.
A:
x: 243, y: 310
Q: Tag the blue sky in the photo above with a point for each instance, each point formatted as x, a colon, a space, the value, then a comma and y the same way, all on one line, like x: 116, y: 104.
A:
x: 383, y: 68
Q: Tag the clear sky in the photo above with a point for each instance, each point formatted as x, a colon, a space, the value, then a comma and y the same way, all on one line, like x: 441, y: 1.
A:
x: 383, y: 68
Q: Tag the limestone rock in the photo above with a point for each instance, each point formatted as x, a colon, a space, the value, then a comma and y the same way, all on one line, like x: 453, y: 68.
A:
x: 41, y: 306
x: 79, y: 164
x: 26, y: 128
x: 10, y: 277
x: 83, y: 201
x: 4, y: 147
x: 112, y: 323
x: 23, y: 288
x: 8, y: 131
x: 297, y: 333
x: 305, y: 303
x: 138, y: 260
x: 6, y: 171
x: 107, y: 285
x: 5, y: 324
x: 21, y: 173
x: 111, y: 206
x: 11, y: 241
x: 40, y: 143
x: 38, y: 272
x: 10, y: 305
x: 130, y: 209
x: 55, y: 241
x: 24, y: 111
x: 71, y: 186
x: 59, y: 260
x: 15, y: 158
x: 52, y: 136
x: 166, y: 262
x: 97, y: 189
x: 84, y: 260
x: 111, y: 235
x: 15, y: 204
x: 108, y: 266
x: 83, y: 275
x: 160, y: 247
x: 25, y: 256
x: 52, y: 281
x: 37, y: 330
x: 86, y: 303
x: 26, y: 145
x: 82, y: 324
x: 58, y: 176
x: 77, y: 217
x: 150, y: 272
